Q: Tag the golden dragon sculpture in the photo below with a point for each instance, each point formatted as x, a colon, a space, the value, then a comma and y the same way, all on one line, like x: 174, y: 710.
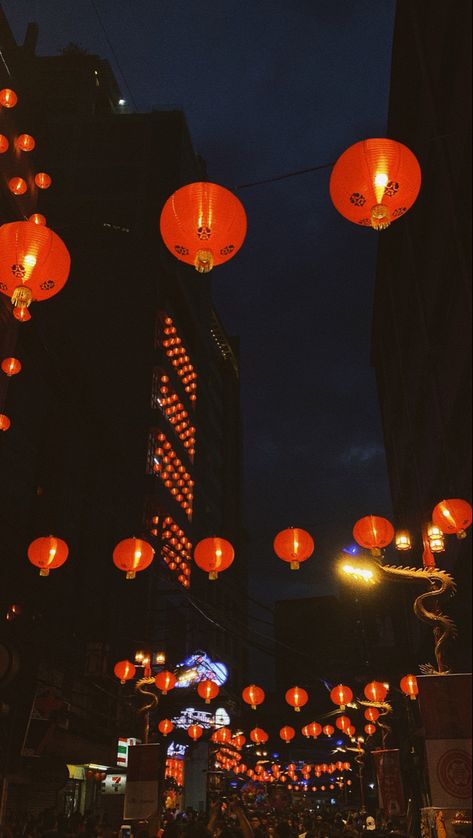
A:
x: 440, y: 582
x: 152, y: 704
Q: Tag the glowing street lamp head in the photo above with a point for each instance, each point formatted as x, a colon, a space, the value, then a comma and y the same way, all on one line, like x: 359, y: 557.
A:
x: 359, y: 572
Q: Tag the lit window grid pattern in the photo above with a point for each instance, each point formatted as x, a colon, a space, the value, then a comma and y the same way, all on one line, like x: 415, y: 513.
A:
x: 175, y: 547
x: 178, y: 356
x: 175, y: 770
x: 166, y: 399
x: 166, y: 465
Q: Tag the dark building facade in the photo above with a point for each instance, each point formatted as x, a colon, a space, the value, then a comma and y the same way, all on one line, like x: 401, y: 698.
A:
x: 125, y: 419
x: 422, y: 308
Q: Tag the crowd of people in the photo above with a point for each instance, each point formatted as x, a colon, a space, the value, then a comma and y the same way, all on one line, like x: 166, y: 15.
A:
x: 226, y: 819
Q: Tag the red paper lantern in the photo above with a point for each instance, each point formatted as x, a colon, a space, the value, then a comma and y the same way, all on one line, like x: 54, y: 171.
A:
x: 11, y: 366
x: 305, y: 731
x: 373, y: 533
x: 133, y: 555
x: 17, y: 186
x: 343, y: 723
x: 37, y: 218
x: 294, y: 546
x: 239, y: 740
x: 195, y: 732
x: 25, y: 142
x: 409, y: 686
x: 287, y: 733
x: 21, y: 313
x: 222, y: 735
x: 4, y: 422
x: 48, y: 553
x: 43, y: 180
x: 453, y: 516
x: 259, y: 736
x: 375, y: 691
x: 165, y: 726
x: 34, y: 262
x: 372, y: 714
x: 341, y: 695
x: 125, y: 671
x: 203, y: 224
x: 297, y: 697
x: 4, y: 144
x: 370, y: 729
x: 214, y: 555
x: 328, y: 730
x: 165, y: 681
x: 350, y: 731
x: 315, y: 729
x: 253, y: 696
x: 8, y: 98
x: 374, y: 182
x: 208, y: 690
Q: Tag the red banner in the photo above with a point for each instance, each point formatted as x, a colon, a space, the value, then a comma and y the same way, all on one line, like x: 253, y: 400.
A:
x: 390, y: 787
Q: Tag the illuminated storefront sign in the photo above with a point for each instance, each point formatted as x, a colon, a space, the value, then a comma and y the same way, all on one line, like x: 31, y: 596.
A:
x: 199, y: 667
x: 122, y: 750
x: 114, y: 784
x: 190, y: 716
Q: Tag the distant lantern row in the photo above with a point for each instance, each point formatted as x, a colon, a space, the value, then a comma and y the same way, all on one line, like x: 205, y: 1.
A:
x: 214, y: 554
x: 449, y: 517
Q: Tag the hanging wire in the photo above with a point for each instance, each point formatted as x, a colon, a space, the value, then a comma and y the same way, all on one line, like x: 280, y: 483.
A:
x: 110, y: 46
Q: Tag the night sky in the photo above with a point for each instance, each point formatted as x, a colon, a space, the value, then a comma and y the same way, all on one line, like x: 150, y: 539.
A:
x: 268, y: 88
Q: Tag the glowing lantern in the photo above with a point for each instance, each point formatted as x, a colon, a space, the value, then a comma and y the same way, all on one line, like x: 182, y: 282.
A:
x: 222, y: 735
x: 373, y: 533
x: 343, y: 723
x: 213, y: 555
x: 375, y: 691
x: 8, y: 98
x: 453, y: 516
x: 305, y: 731
x: 297, y: 697
x: 208, y: 690
x: 402, y: 541
x: 165, y: 681
x: 43, y: 180
x: 239, y: 740
x: 287, y: 733
x: 350, y: 731
x: 37, y: 218
x: 328, y: 730
x: 4, y: 144
x: 258, y: 735
x: 125, y: 671
x: 203, y: 224
x: 372, y: 714
x: 370, y: 729
x: 409, y: 686
x: 25, y: 142
x: 315, y: 729
x: 195, y: 732
x: 374, y: 182
x: 4, y: 422
x: 48, y: 553
x: 436, y: 539
x: 294, y: 546
x: 21, y: 313
x: 17, y: 185
x: 165, y: 726
x: 34, y: 262
x: 133, y: 555
x: 253, y: 696
x: 11, y: 366
x: 341, y: 695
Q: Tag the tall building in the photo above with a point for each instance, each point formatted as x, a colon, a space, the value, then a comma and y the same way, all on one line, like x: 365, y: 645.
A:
x: 422, y: 309
x: 125, y: 419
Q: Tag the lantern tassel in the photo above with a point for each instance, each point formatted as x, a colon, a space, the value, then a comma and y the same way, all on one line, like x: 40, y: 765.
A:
x: 44, y: 571
x: 213, y: 575
x: 204, y: 261
x: 295, y: 565
x: 131, y: 574
x: 22, y: 296
x: 380, y: 217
